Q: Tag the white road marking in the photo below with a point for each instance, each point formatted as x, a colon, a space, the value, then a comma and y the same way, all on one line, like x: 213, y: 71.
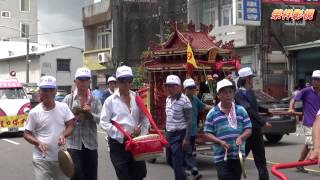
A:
x: 102, y: 132
x: 12, y: 142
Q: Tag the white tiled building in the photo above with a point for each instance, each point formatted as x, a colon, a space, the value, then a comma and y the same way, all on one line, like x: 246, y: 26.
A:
x: 58, y: 61
x: 18, y: 18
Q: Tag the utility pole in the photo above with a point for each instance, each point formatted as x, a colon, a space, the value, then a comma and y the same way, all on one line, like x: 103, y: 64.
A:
x: 27, y: 60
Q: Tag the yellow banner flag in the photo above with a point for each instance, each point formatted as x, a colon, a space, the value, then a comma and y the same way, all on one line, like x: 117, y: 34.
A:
x: 190, y: 57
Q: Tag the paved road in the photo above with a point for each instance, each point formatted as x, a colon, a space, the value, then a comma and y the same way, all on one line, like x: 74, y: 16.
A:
x: 15, y: 161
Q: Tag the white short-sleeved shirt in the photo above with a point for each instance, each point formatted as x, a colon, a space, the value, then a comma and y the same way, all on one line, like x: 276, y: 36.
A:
x: 47, y: 126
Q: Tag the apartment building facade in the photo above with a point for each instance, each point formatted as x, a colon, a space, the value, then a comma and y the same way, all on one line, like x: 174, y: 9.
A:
x: 262, y: 46
x: 18, y: 20
x: 117, y: 31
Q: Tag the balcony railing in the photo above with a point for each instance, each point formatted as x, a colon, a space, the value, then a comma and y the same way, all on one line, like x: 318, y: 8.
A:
x: 96, y: 8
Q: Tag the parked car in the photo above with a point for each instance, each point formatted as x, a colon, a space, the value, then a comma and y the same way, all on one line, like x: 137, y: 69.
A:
x: 14, y: 106
x: 61, y: 94
x: 32, y: 91
x: 281, y: 125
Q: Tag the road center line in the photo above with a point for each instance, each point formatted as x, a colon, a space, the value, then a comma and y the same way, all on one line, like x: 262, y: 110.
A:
x: 12, y: 142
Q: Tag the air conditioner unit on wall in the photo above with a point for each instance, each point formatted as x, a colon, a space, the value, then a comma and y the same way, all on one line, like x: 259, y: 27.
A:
x: 103, y: 58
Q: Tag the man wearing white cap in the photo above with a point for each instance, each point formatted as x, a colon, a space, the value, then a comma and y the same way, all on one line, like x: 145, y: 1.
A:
x: 228, y: 126
x: 82, y: 144
x: 121, y: 107
x: 245, y: 97
x: 310, y: 97
x: 178, y: 126
x: 197, y: 106
x: 111, y: 82
x: 47, y: 126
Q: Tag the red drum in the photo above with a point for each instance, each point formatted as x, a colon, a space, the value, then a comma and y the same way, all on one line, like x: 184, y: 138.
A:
x: 145, y: 147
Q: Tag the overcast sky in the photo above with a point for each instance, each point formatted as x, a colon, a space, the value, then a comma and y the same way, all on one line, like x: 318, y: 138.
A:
x: 60, y: 15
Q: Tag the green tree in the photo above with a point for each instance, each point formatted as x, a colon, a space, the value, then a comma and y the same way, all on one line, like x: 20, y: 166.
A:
x: 138, y: 78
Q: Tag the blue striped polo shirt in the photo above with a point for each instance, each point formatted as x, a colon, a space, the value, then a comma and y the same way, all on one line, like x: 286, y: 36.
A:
x: 175, y: 119
x: 218, y: 125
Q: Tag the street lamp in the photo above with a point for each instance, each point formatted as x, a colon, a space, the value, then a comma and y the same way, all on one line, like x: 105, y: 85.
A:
x: 27, y: 55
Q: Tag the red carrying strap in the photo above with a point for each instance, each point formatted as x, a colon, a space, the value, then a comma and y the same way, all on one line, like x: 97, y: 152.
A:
x: 128, y: 143
x: 143, y: 108
x: 118, y: 126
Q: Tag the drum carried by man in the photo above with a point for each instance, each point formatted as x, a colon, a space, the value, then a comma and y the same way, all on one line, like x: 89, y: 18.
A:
x: 121, y: 109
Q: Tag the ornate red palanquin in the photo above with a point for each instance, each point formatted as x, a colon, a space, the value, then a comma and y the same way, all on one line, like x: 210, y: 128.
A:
x: 170, y: 57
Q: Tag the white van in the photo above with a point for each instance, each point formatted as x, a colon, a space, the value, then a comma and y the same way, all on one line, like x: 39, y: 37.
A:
x: 14, y: 106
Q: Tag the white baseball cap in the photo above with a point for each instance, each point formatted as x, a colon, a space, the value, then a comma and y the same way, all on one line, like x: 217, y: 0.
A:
x: 83, y: 72
x: 173, y: 79
x: 189, y: 83
x: 124, y: 71
x: 223, y: 83
x: 246, y: 71
x: 316, y: 74
x: 47, y: 82
x: 111, y: 78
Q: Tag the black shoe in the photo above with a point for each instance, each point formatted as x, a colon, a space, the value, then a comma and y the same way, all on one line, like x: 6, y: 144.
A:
x: 302, y: 169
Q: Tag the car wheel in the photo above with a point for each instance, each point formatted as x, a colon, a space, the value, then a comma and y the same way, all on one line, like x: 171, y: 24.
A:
x: 274, y: 138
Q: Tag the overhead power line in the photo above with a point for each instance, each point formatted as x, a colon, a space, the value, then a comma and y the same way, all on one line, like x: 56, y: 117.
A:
x: 55, y: 32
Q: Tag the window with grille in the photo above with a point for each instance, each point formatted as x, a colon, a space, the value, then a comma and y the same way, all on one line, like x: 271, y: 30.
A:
x: 5, y: 14
x: 24, y: 5
x: 103, y: 33
x: 226, y: 15
x: 25, y: 29
x: 208, y: 14
x: 63, y: 64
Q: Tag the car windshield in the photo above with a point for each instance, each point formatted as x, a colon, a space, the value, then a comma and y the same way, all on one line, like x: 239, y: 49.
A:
x: 12, y: 93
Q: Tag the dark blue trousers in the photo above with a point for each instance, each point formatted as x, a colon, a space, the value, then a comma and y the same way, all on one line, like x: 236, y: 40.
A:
x: 175, y: 154
x: 86, y: 163
x: 190, y: 160
x: 230, y: 170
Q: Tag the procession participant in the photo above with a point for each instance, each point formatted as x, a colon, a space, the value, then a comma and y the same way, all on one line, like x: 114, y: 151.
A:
x: 82, y: 144
x: 245, y: 97
x: 122, y: 108
x: 97, y: 93
x: 228, y: 126
x: 111, y: 82
x: 315, y: 152
x: 190, y: 89
x: 178, y: 126
x: 310, y: 97
x: 47, y: 126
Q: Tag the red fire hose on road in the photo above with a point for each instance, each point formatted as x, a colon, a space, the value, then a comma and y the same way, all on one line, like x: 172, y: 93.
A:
x: 275, y: 168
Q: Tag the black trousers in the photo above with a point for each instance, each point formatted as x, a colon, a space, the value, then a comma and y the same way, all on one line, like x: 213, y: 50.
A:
x: 255, y: 143
x: 230, y: 170
x: 86, y: 163
x: 125, y: 166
